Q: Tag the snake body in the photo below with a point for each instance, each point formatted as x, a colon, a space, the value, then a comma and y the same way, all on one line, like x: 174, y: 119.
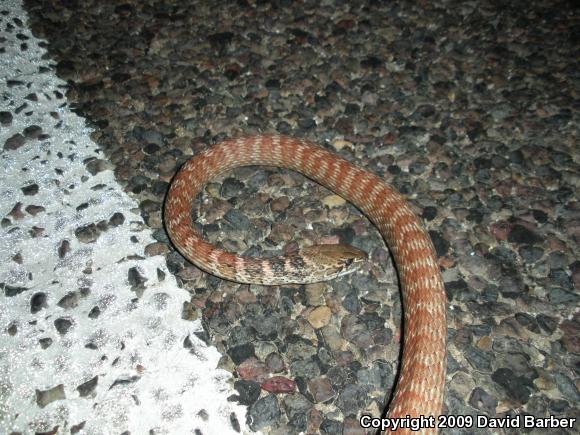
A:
x: 420, y: 385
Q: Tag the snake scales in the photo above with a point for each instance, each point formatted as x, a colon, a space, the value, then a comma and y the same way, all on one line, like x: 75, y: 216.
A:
x: 421, y: 380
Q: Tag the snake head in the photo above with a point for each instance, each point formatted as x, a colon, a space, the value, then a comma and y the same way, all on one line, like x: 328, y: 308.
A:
x: 331, y: 261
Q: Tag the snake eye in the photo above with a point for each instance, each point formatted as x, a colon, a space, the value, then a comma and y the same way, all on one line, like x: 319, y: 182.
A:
x: 348, y: 262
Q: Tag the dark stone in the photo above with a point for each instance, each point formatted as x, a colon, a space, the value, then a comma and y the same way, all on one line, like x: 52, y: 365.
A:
x: 516, y: 157
x: 482, y: 400
x: 479, y: 359
x: 148, y: 136
x: 520, y: 234
x: 14, y: 142
x: 346, y: 235
x: 87, y: 233
x: 203, y: 336
x: 495, y: 203
x: 457, y: 290
x: 351, y: 302
x: 11, y: 291
x: 149, y: 206
x: 560, y: 278
x: 62, y: 325
x: 371, y: 62
x: 518, y: 388
x: 159, y: 188
x: 475, y: 215
x: 32, y: 131
x: 416, y: 168
x: 559, y: 406
x: 511, y: 286
x: 528, y: 321
x: 297, y: 407
x: 266, y: 326
x: 12, y: 329
x: 138, y: 183
x: 30, y: 190
x: 547, y: 323
x: 231, y: 74
x: 235, y: 423
x: 352, y: 397
x: 567, y: 387
x: 136, y: 280
x: 264, y: 412
x: 441, y: 245
x: 426, y: 110
x: 351, y: 109
x: 248, y: 392
x: 237, y: 219
x: 482, y: 163
x: 394, y: 170
x: 242, y: 352
x: 125, y: 380
x: 38, y: 302
x: 372, y: 321
x: 557, y: 260
x: 331, y: 427
x: 272, y: 84
x: 540, y: 216
x: 95, y: 313
x: 305, y: 368
x: 94, y: 166
x: 5, y: 118
x: 504, y: 257
x: 88, y: 387
x: 64, y: 248
x: 306, y: 123
x: 531, y: 253
x: 499, y: 162
x: 220, y: 40
x: 151, y: 148
x: 117, y: 219
x: 429, y: 213
x: 45, y: 342
x: 479, y: 330
x: 71, y: 300
x: 231, y: 187
x: 558, y: 295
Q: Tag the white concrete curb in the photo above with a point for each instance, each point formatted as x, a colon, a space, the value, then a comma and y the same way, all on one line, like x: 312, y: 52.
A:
x: 79, y: 349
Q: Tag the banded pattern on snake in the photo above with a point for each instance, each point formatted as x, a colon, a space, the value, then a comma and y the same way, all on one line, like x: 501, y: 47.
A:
x: 420, y: 384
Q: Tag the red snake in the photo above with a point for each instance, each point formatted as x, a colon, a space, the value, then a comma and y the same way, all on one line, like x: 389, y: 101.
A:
x: 420, y: 385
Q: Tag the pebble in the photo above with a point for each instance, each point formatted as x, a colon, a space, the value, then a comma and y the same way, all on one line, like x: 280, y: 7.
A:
x: 14, y: 142
x: 46, y: 397
x: 321, y: 389
x: 249, y: 392
x: 296, y: 408
x: 279, y: 384
x: 319, y: 317
x: 5, y: 118
x: 63, y: 325
x: 38, y: 302
x: 518, y: 388
x: 482, y: 400
x: 333, y: 201
x: 252, y: 369
x: 264, y: 412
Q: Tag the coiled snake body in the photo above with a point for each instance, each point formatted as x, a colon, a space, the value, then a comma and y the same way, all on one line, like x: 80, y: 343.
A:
x: 419, y: 390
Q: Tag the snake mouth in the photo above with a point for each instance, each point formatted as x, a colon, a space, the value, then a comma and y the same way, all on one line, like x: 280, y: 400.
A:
x: 351, y: 265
